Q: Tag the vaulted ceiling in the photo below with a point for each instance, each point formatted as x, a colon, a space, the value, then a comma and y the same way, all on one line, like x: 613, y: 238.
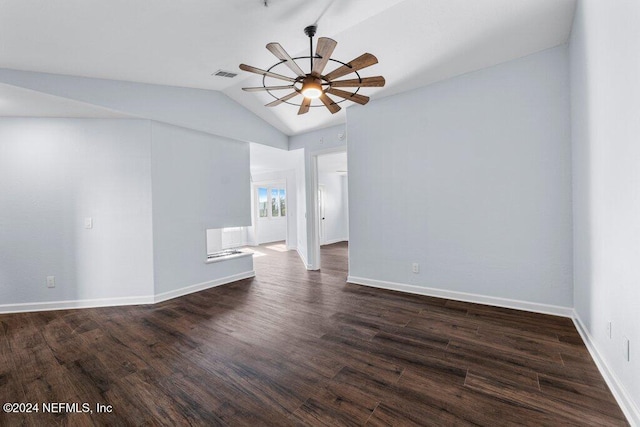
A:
x: 182, y: 43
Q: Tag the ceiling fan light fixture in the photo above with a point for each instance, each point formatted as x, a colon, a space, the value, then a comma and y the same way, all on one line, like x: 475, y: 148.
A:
x: 314, y: 84
x: 311, y: 88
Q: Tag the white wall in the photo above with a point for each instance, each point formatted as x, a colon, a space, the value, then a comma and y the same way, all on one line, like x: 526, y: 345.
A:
x: 335, y: 228
x: 271, y: 230
x: 53, y: 174
x: 151, y: 189
x: 605, y: 93
x: 200, y: 182
x: 470, y: 178
x: 232, y: 237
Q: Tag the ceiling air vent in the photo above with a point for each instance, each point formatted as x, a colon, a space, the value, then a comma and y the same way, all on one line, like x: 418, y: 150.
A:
x: 222, y: 73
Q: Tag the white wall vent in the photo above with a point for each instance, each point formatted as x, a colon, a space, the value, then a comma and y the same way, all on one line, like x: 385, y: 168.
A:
x: 222, y: 73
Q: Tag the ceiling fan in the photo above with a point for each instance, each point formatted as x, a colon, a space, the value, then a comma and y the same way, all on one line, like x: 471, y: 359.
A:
x: 314, y: 84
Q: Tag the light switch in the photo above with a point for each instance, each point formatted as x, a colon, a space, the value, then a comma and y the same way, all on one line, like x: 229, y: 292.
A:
x: 88, y: 222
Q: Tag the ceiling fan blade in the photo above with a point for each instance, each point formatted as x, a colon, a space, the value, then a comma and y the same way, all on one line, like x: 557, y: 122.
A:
x: 328, y: 102
x: 282, y: 54
x: 283, y: 99
x: 360, y: 99
x: 304, y: 107
x: 377, y: 81
x: 251, y: 69
x: 363, y: 61
x: 324, y: 49
x: 263, y: 88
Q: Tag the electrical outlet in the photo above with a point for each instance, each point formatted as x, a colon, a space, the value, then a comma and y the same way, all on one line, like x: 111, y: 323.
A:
x: 625, y: 349
x: 609, y: 329
x: 51, y: 281
x: 415, y: 267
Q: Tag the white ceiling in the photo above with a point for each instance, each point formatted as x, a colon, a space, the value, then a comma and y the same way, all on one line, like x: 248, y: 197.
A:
x: 181, y: 43
x: 265, y: 159
x: 333, y: 163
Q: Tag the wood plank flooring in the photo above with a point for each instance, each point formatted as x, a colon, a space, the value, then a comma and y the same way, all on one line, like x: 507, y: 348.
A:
x: 293, y: 347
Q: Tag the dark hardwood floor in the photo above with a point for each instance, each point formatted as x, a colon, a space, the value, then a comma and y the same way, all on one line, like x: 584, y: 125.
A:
x: 293, y: 347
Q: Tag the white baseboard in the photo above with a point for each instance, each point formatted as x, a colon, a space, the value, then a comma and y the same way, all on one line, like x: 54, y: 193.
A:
x: 114, y: 302
x: 332, y: 241
x: 202, y: 286
x: 73, y: 304
x: 466, y: 297
x: 303, y: 259
x: 623, y: 398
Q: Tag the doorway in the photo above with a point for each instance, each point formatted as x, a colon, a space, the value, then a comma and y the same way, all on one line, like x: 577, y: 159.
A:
x: 275, y: 171
x: 270, y: 212
x: 332, y: 201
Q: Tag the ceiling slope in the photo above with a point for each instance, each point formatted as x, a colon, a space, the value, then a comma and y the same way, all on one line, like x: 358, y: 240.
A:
x: 20, y: 102
x: 202, y: 110
x: 165, y: 42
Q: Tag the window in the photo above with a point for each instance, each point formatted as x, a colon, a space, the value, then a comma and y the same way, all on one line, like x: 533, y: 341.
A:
x: 283, y: 207
x: 272, y: 201
x: 262, y: 202
x: 275, y: 202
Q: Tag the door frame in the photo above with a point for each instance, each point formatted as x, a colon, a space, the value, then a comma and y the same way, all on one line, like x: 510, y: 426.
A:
x: 313, y: 226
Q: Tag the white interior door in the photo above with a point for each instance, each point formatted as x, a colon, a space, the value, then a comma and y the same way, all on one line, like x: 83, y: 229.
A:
x: 321, y: 213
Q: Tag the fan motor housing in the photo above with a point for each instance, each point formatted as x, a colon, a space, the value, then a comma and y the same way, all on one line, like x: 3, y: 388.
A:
x: 310, y: 31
